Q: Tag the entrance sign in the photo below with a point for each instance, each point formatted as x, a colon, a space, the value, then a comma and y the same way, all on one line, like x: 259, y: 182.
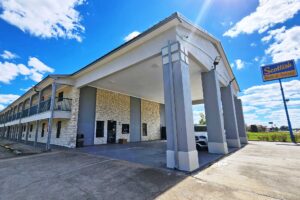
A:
x: 280, y: 70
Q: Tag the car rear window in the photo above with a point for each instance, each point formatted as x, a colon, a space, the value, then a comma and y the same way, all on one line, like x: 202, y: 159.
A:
x: 200, y: 128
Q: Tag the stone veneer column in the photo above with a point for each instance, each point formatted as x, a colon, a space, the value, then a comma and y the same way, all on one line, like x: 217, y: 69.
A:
x: 230, y: 121
x: 240, y: 121
x: 181, y: 146
x: 214, y: 113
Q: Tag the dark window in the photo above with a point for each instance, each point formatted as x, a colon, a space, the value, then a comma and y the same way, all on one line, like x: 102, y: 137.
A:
x: 43, y: 130
x: 100, y: 129
x: 31, y: 127
x: 144, y: 129
x: 24, y: 128
x: 125, y: 128
x: 60, y: 96
x: 58, y: 128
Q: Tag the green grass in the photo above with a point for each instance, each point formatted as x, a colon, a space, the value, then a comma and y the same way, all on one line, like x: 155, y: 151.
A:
x: 271, y: 136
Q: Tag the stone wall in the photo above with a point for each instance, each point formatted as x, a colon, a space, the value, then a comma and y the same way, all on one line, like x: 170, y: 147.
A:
x: 68, y: 126
x: 112, y: 106
x: 109, y: 106
x: 151, y: 116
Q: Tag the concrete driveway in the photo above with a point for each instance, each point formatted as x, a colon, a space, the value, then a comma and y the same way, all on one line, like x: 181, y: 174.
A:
x: 151, y: 153
x: 258, y: 171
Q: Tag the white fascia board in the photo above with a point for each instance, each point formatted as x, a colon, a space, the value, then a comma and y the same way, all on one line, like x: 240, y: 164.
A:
x: 204, y: 51
x: 152, y: 45
x: 192, y: 41
x: 65, y: 81
x: 187, y: 27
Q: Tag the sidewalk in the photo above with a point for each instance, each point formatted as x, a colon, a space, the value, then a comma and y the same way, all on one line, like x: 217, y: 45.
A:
x: 14, y: 148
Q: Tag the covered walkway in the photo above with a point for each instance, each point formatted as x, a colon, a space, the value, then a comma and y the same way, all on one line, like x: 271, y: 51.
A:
x: 152, y: 153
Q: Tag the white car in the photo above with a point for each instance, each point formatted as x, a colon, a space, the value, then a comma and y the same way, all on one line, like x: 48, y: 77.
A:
x: 200, y: 136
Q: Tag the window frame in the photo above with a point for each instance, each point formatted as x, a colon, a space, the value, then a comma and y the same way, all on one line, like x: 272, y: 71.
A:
x: 127, y: 130
x: 43, y: 130
x: 58, y: 129
x: 144, y: 129
x: 101, y: 133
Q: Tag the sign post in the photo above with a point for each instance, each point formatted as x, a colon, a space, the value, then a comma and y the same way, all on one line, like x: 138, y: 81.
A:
x: 278, y: 71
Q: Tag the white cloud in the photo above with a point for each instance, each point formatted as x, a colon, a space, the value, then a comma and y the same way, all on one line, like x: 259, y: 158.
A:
x: 8, y: 72
x: 267, y: 14
x: 285, y: 45
x: 6, y: 99
x: 35, y: 70
x: 8, y: 55
x: 263, y: 103
x: 131, y: 35
x: 272, y: 33
x: 46, y: 19
x: 253, y: 44
x: 239, y: 64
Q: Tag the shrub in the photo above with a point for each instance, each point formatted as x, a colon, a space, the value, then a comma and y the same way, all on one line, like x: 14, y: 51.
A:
x: 274, y: 137
x: 253, y: 128
x: 282, y: 137
x: 297, y: 137
x: 266, y: 138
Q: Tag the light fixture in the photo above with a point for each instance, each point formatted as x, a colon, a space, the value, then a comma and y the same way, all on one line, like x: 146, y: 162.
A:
x: 216, y: 62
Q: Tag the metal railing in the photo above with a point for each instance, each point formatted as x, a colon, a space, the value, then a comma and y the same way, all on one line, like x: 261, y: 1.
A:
x: 25, y: 112
x: 33, y: 110
x: 44, y: 106
x: 61, y: 104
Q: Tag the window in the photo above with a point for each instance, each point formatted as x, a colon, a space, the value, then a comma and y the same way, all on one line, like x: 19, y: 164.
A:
x: 100, y: 129
x: 24, y: 128
x: 60, y: 96
x: 125, y: 128
x: 58, y: 128
x: 43, y: 130
x: 144, y: 125
x: 31, y: 127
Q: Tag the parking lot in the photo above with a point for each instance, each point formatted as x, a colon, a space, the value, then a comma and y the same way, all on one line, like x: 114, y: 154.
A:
x: 260, y: 170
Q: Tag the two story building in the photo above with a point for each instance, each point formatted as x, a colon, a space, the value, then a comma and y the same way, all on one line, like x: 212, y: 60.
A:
x: 132, y: 92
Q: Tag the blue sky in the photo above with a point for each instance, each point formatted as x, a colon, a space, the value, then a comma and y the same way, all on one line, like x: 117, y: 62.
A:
x: 53, y: 36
